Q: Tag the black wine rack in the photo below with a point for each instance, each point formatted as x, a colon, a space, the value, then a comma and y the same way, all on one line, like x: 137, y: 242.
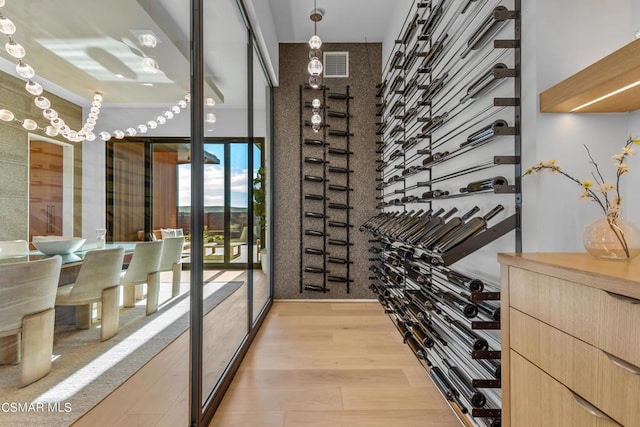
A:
x: 449, y: 137
x: 325, y: 191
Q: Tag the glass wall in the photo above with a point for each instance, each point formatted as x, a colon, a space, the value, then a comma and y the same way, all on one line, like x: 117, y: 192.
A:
x: 261, y: 179
x: 96, y: 135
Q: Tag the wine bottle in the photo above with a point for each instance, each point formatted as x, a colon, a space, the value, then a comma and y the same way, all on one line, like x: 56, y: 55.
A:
x: 416, y: 348
x: 397, y: 81
x: 471, y: 227
x: 337, y: 114
x: 313, y: 251
x: 466, y: 308
x: 485, y: 31
x: 472, y: 340
x: 336, y: 169
x: 434, y: 194
x: 409, y: 223
x: 432, y: 225
x: 339, y: 279
x: 381, y: 127
x: 432, y: 55
x: 484, y: 184
x: 464, y: 384
x: 381, y: 87
x: 313, y: 178
x: 335, y: 132
x: 337, y: 260
x: 336, y: 187
x: 396, y: 154
x: 315, y: 288
x: 433, y: 89
x: 415, y: 311
x: 423, y: 227
x: 340, y: 151
x: 473, y: 285
x: 484, y: 83
x: 433, y: 124
x: 433, y: 20
x: 337, y: 95
x: 441, y: 232
x: 339, y: 242
x: 484, y: 135
x: 314, y: 160
x: 434, y: 158
x: 317, y: 142
x: 489, y: 310
x: 316, y: 215
x: 446, y: 388
x: 338, y: 224
x: 423, y: 337
x: 313, y: 233
x: 340, y: 206
x: 310, y: 196
x: 315, y: 270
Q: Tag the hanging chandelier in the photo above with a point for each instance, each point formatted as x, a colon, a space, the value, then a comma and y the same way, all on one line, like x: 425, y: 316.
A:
x: 315, y: 43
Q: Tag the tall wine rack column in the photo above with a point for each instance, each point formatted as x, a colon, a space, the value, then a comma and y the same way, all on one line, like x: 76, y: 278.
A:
x: 325, y: 192
x: 449, y: 127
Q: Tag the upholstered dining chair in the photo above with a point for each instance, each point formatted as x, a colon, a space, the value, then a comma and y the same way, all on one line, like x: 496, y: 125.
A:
x: 144, y: 268
x: 97, y: 281
x: 171, y: 260
x: 13, y: 248
x: 27, y: 315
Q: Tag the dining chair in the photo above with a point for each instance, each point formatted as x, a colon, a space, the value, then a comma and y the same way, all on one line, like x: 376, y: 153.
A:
x: 143, y: 269
x: 171, y: 260
x: 97, y: 281
x: 27, y: 315
x: 13, y: 248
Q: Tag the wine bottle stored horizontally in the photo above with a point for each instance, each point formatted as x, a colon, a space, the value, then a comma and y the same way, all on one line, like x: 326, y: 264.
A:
x: 339, y: 242
x: 423, y: 337
x: 316, y: 142
x: 337, y: 169
x: 339, y: 151
x: 313, y: 233
x: 313, y: 178
x: 337, y: 114
x: 464, y: 385
x: 395, y: 226
x: 485, y: 32
x: 433, y: 124
x: 424, y: 227
x: 337, y: 187
x: 316, y: 215
x: 446, y: 388
x: 459, y: 304
x: 434, y: 194
x: 433, y: 55
x: 314, y: 160
x: 313, y: 251
x: 432, y: 225
x: 471, y: 227
x: 484, y: 184
x: 315, y: 288
x: 338, y: 279
x: 466, y: 335
x: 338, y: 95
x: 336, y: 132
x: 484, y: 135
x: 315, y: 270
x: 433, y: 89
x: 338, y: 224
x: 417, y: 226
x: 317, y: 197
x: 441, y: 232
x: 434, y: 158
x: 340, y: 206
x: 337, y: 260
x: 484, y: 83
x: 465, y: 282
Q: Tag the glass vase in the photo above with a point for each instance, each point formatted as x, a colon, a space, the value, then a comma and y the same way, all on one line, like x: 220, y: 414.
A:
x: 613, y: 241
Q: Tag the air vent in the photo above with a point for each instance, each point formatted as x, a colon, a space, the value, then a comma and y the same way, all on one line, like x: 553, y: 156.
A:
x: 336, y: 64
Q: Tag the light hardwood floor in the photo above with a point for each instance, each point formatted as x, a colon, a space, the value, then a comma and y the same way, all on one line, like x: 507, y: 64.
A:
x: 331, y: 364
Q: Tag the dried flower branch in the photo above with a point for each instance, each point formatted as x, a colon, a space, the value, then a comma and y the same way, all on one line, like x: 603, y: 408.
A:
x: 606, y: 195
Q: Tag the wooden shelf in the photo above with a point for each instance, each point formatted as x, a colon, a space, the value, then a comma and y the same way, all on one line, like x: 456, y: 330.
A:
x: 615, y: 71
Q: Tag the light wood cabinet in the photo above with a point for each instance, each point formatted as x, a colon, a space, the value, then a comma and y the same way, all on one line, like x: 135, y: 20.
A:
x: 571, y: 345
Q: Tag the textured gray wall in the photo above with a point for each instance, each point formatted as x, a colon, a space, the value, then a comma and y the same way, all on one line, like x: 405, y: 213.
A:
x: 365, y: 65
x: 14, y: 157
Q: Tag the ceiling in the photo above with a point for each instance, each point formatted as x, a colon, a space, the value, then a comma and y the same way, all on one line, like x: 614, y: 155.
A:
x: 78, y: 47
x: 343, y: 21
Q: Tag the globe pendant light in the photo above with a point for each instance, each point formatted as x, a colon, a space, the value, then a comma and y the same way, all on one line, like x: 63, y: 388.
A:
x: 315, y: 67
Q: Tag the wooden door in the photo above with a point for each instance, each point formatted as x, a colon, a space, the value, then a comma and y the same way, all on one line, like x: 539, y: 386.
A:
x: 45, y: 189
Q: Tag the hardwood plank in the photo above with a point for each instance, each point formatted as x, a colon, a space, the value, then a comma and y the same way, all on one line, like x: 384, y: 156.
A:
x: 401, y: 418
x: 244, y: 419
x: 313, y: 377
x: 390, y: 398
x: 283, y: 399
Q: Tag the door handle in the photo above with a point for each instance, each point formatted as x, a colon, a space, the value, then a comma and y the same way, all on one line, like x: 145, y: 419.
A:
x: 592, y: 409
x: 623, y: 298
x: 623, y: 364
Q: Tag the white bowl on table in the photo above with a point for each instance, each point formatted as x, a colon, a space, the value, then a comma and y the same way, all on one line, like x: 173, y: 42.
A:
x: 57, y: 245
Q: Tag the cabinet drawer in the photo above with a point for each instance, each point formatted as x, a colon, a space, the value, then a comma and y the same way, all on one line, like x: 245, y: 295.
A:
x: 603, y: 319
x: 590, y: 372
x: 568, y: 306
x: 539, y: 400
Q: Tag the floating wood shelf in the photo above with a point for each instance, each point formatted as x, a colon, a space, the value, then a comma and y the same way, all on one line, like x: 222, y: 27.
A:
x: 613, y: 72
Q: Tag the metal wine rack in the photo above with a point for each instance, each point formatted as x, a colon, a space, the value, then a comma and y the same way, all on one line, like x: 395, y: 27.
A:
x: 449, y: 134
x: 325, y: 191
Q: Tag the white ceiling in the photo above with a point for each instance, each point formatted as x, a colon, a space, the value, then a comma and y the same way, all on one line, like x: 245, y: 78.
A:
x: 344, y: 20
x: 78, y: 47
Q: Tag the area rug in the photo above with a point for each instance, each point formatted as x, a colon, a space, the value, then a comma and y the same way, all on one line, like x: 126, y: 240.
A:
x: 85, y: 370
